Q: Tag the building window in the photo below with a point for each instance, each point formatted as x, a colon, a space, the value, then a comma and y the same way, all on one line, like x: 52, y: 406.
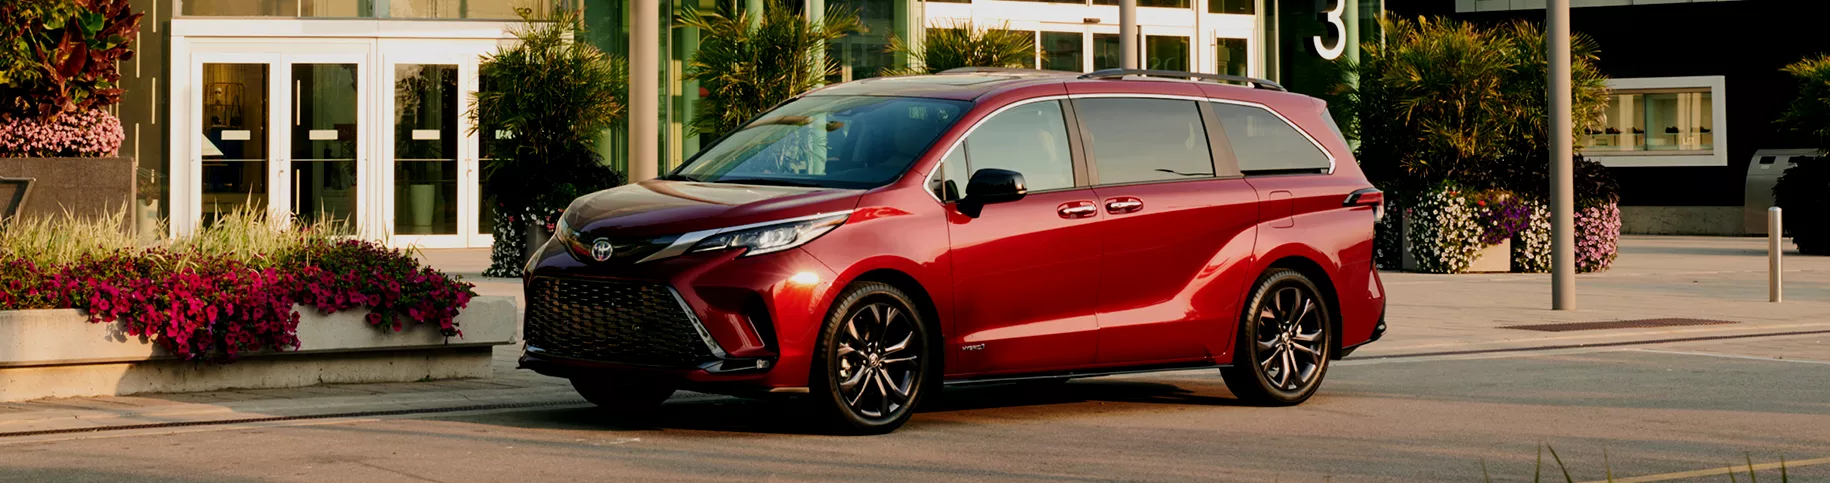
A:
x: 1166, y: 53
x: 434, y: 9
x: 1231, y: 57
x: 1237, y: 7
x: 1061, y: 51
x: 1655, y: 120
x: 1106, y: 52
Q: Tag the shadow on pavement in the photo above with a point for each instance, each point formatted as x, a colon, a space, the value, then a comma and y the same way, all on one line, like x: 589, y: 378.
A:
x: 794, y: 416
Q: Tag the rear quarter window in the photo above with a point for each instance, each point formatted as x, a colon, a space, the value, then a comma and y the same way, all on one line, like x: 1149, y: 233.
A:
x: 1265, y: 143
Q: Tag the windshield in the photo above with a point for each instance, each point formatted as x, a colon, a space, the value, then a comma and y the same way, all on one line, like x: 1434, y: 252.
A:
x: 827, y: 141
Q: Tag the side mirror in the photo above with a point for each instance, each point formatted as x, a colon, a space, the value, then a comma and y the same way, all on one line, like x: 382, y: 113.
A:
x: 992, y: 185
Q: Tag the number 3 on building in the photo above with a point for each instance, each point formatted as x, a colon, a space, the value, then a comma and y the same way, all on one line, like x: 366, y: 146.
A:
x: 1333, y: 18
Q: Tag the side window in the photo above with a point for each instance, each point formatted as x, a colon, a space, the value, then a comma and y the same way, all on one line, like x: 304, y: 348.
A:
x: 1030, y: 139
x: 1264, y: 142
x: 1136, y: 140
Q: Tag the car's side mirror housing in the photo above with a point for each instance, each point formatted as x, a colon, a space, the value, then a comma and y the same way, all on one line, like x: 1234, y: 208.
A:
x: 992, y: 185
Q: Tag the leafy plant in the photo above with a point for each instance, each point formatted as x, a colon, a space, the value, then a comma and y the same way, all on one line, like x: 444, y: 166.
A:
x: 1803, y: 191
x: 542, y: 105
x: 1809, y: 113
x: 1442, y: 100
x: 60, y: 56
x: 959, y: 44
x: 745, y: 69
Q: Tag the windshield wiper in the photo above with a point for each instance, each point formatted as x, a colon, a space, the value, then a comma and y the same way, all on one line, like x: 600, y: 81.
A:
x: 769, y: 182
x: 678, y: 177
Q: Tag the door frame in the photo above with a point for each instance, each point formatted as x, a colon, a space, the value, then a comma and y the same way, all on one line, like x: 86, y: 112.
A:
x: 466, y: 57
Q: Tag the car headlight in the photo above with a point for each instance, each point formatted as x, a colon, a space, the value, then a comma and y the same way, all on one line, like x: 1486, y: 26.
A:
x: 771, y: 238
x: 571, y: 237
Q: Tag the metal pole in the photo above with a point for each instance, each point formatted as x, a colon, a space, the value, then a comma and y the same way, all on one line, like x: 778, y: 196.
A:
x: 1562, y: 189
x: 1127, y: 33
x: 1775, y: 234
x: 644, y: 90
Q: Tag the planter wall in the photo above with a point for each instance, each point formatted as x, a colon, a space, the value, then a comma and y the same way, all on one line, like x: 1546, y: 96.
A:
x: 86, y: 187
x: 58, y: 353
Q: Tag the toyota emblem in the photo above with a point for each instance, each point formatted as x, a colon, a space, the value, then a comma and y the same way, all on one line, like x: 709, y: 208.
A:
x: 601, y: 249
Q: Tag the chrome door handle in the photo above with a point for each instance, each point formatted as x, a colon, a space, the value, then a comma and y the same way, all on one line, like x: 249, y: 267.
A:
x: 1124, y: 205
x: 1077, y: 209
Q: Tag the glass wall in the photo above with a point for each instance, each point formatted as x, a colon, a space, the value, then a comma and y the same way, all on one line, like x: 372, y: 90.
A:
x: 426, y: 9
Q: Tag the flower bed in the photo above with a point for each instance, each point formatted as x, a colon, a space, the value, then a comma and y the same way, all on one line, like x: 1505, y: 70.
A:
x: 1450, y: 228
x: 231, y: 290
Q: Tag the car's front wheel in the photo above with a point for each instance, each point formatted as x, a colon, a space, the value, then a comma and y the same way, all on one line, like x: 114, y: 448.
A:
x: 1285, y: 341
x: 873, y: 364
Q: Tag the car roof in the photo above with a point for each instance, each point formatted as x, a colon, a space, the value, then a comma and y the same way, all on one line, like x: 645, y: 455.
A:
x: 976, y: 83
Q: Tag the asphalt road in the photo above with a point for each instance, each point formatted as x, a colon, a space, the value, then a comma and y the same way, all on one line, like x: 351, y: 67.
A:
x: 1653, y: 410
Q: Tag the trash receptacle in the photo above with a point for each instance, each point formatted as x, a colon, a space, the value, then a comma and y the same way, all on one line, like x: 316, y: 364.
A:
x: 1762, y: 174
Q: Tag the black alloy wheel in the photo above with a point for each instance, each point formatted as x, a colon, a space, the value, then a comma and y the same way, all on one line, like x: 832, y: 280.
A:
x: 874, y: 360
x: 1285, y: 342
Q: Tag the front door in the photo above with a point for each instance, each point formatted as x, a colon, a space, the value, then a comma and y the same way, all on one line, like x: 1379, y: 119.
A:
x: 428, y: 152
x: 1024, y: 272
x: 365, y: 136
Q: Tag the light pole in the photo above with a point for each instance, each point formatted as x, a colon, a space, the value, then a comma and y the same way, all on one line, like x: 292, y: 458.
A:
x: 1562, y: 189
x: 1127, y: 33
x: 644, y: 91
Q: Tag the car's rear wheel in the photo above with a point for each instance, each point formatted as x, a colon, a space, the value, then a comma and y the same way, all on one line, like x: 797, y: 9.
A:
x: 1285, y: 341
x: 874, y: 363
x: 623, y: 399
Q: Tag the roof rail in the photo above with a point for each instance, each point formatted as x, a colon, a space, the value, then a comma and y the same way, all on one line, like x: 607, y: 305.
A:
x: 999, y: 70
x: 1119, y: 73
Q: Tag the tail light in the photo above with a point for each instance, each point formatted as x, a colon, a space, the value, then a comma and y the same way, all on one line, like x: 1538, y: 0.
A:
x: 1368, y: 197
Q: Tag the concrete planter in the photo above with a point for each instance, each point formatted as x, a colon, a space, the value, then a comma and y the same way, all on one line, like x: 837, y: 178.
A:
x: 86, y: 187
x: 58, y: 353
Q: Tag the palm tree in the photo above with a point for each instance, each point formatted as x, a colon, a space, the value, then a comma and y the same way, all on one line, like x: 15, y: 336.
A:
x: 747, y: 68
x: 960, y: 45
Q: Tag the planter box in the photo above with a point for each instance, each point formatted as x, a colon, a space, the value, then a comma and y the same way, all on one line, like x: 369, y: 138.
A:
x: 86, y: 187
x: 1496, y: 258
x: 58, y: 353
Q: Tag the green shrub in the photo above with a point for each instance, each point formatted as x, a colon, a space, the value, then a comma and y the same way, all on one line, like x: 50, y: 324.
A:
x: 1448, y: 101
x: 553, y: 96
x: 1804, y: 191
x: 745, y: 69
x: 962, y: 45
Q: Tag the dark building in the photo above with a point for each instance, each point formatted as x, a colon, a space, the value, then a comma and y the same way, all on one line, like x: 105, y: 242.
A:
x: 1698, y: 88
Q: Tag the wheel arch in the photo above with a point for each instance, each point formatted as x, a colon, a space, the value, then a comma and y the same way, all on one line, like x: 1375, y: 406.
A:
x: 923, y: 300
x: 1308, y: 267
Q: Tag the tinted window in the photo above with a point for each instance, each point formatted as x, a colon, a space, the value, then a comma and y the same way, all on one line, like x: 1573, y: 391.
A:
x: 1145, y: 139
x: 1030, y: 139
x: 1264, y: 142
x: 829, y: 141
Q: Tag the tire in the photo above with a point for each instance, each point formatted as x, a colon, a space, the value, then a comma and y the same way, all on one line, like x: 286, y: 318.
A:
x: 874, y: 363
x: 1277, y: 362
x: 623, y: 399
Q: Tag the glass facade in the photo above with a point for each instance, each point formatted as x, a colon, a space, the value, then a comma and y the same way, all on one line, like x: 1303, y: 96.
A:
x: 420, y: 9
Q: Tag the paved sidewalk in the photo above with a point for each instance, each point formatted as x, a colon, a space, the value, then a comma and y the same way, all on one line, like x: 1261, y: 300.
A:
x: 1711, y: 278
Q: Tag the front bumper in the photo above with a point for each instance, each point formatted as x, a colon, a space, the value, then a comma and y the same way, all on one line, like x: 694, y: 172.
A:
x: 691, y: 321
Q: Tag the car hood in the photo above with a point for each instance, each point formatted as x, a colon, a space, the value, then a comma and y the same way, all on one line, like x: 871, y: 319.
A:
x: 660, y: 207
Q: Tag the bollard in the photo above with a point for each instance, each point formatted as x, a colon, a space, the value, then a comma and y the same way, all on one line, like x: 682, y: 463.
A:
x: 1775, y: 234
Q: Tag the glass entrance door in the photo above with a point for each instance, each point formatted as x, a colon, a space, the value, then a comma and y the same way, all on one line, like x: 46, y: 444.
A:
x: 427, y: 149
x: 233, y: 146
x: 326, y: 140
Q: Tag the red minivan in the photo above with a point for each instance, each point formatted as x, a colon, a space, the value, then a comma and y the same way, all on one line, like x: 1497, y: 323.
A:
x: 863, y: 244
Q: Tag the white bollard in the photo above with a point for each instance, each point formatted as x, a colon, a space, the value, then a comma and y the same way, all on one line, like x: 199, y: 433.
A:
x: 1775, y: 234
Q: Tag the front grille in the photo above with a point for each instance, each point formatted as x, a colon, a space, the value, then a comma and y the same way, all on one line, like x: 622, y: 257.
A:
x: 624, y: 322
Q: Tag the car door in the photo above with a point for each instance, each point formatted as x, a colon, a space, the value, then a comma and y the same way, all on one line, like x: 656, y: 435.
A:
x: 1177, y: 241
x: 1024, y: 272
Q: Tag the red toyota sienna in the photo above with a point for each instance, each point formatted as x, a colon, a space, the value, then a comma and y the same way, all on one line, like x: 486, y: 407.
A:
x: 866, y: 243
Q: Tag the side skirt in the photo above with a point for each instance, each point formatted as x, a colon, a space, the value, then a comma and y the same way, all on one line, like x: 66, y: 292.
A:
x: 1075, y: 374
